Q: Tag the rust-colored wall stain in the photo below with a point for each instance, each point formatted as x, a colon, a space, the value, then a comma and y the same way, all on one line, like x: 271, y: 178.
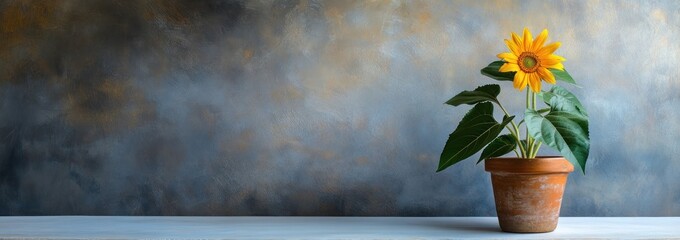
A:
x: 111, y: 105
x: 228, y: 107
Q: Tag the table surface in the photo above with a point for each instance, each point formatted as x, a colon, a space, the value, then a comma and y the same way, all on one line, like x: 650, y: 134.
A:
x: 110, y: 227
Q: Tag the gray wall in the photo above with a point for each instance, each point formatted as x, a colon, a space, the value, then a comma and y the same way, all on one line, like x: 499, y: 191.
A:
x: 314, y: 107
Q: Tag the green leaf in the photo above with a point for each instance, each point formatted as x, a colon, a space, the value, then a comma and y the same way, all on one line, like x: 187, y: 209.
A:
x: 562, y: 76
x: 560, y: 99
x: 475, y: 131
x: 498, y: 147
x: 543, y: 110
x: 564, y: 131
x: 480, y: 94
x: 492, y: 71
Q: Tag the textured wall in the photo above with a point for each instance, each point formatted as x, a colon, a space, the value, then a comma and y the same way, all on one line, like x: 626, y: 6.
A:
x: 314, y: 107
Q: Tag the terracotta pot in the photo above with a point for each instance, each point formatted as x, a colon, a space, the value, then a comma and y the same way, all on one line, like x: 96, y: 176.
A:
x: 528, y: 192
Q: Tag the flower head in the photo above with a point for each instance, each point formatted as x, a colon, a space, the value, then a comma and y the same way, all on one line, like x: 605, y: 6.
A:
x: 531, y: 60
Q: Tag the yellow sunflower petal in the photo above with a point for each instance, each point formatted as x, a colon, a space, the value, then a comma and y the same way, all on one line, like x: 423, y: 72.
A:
x: 509, y: 67
x: 556, y: 66
x: 546, y: 75
x: 548, y: 49
x: 518, y: 42
x: 549, y: 61
x: 528, y: 40
x: 520, y: 81
x: 513, y: 48
x: 534, y: 82
x: 540, y: 40
x: 508, y: 57
x: 551, y: 57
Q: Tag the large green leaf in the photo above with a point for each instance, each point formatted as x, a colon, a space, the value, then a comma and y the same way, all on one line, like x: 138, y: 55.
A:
x: 492, y: 71
x: 562, y: 75
x: 564, y: 131
x: 498, y: 147
x: 561, y: 99
x: 480, y: 94
x: 475, y: 131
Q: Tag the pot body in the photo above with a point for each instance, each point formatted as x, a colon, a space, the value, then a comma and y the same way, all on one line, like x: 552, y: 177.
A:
x: 528, y: 192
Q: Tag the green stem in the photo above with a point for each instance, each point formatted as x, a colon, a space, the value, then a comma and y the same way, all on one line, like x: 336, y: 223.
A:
x: 519, y: 141
x: 533, y: 149
x: 530, y: 140
x: 538, y: 146
x: 514, y: 132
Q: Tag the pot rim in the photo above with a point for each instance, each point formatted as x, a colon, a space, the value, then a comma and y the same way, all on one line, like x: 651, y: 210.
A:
x: 538, y: 165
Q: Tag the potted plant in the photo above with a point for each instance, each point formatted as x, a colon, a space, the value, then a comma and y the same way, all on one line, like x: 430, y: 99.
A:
x: 527, y: 188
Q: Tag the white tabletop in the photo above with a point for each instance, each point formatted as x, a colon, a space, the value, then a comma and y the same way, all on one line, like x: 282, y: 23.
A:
x: 100, y: 227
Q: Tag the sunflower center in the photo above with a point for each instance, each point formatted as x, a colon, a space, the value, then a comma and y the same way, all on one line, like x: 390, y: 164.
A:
x: 528, y: 62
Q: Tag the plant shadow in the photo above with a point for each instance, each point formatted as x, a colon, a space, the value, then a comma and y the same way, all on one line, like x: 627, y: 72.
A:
x: 468, y: 225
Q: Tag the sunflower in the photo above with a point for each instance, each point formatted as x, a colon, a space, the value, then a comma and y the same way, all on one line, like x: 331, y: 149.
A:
x: 531, y: 60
